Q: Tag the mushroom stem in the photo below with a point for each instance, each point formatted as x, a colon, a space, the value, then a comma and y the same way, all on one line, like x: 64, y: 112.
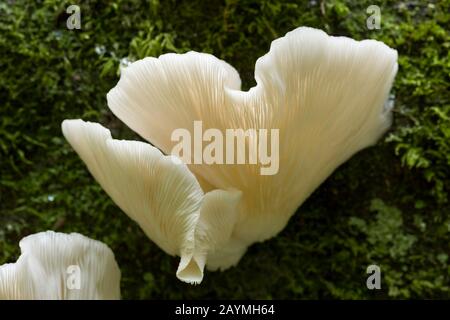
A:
x: 227, y: 256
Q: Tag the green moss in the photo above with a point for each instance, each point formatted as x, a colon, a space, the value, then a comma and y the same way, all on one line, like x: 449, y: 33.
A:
x: 49, y: 73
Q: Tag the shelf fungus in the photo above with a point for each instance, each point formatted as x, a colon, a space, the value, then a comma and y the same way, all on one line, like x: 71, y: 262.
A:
x: 325, y: 97
x: 58, y: 266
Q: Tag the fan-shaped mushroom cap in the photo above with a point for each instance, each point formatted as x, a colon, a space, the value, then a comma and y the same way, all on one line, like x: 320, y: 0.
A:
x: 325, y: 94
x: 47, y: 262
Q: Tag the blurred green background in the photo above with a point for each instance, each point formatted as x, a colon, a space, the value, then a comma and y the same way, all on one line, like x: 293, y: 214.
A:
x: 388, y: 205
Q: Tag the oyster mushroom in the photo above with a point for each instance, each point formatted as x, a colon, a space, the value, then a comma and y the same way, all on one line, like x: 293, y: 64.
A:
x: 62, y: 267
x: 326, y: 96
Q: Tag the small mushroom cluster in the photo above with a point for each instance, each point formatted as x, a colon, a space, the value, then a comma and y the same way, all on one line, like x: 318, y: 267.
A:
x: 326, y: 96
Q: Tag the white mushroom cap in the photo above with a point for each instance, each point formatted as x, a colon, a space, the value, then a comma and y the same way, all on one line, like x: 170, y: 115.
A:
x: 325, y: 94
x: 49, y: 259
x: 159, y: 193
